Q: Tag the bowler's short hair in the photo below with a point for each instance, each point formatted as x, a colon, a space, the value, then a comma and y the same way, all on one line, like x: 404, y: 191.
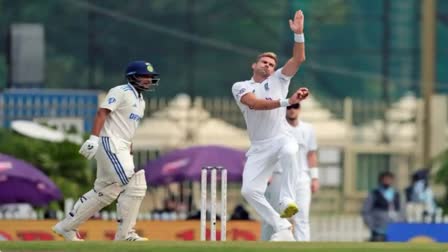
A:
x: 267, y: 54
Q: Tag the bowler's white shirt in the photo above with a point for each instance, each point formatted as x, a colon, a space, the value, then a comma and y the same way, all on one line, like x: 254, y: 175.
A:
x: 127, y: 108
x: 263, y: 124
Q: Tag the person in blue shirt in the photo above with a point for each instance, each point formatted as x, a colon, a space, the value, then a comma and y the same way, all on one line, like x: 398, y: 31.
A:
x: 420, y: 192
x: 382, y: 207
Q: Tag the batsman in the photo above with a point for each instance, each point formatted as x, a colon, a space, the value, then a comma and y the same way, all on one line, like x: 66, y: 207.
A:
x: 111, y: 144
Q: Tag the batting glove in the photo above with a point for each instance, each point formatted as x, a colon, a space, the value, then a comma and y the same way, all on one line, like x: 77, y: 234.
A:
x: 90, y: 146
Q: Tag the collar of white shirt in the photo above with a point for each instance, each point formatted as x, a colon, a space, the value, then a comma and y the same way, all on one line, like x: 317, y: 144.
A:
x: 252, y: 81
x: 137, y: 94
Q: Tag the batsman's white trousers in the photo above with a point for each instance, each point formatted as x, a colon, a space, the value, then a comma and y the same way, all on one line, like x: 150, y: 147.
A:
x: 261, y: 158
x: 303, y: 199
x: 114, y: 161
x: 115, y: 168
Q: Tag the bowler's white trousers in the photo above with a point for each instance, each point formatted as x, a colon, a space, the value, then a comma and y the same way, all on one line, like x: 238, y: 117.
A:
x: 303, y: 199
x: 261, y: 159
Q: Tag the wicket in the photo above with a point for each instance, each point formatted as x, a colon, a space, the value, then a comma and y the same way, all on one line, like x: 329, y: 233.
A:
x: 213, y: 177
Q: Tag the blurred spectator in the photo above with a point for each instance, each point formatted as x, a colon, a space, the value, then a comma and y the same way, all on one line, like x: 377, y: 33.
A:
x: 196, y: 215
x: 17, y: 211
x: 173, y: 209
x: 420, y: 193
x: 382, y: 207
x: 170, y: 204
x: 240, y: 213
x: 50, y: 214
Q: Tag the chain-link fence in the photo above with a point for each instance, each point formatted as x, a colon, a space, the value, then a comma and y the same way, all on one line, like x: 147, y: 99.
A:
x: 368, y: 49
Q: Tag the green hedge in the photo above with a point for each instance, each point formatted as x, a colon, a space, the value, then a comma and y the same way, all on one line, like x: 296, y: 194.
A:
x: 71, y: 172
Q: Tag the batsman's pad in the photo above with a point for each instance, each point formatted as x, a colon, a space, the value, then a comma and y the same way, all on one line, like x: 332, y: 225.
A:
x: 137, y: 185
x: 128, y: 204
x: 90, y: 203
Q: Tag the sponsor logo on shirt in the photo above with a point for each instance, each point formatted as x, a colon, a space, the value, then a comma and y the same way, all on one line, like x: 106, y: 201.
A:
x: 240, y: 92
x: 112, y: 100
x: 134, y: 117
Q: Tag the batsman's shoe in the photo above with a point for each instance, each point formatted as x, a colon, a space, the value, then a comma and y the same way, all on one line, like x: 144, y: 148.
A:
x: 290, y: 210
x: 283, y: 235
x: 71, y: 235
x: 133, y: 236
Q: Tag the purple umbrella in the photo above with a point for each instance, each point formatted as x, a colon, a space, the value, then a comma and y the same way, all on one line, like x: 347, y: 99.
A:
x: 20, y: 182
x: 185, y: 164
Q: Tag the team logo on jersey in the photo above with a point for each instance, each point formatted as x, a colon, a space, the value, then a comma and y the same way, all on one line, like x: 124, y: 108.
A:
x: 268, y: 98
x: 266, y: 86
x: 149, y: 67
x: 112, y: 100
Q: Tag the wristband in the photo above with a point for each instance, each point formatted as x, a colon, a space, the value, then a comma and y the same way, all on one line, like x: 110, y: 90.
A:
x: 94, y: 138
x: 314, y: 173
x: 284, y: 102
x: 299, y: 38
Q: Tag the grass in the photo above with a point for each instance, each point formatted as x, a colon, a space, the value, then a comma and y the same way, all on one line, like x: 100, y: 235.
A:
x: 179, y: 246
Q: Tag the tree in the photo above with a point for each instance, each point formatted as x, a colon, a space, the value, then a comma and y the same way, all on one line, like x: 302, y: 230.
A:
x: 442, y: 176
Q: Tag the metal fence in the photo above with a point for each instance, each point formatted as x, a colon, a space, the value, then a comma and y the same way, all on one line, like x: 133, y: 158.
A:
x: 29, y: 104
x: 226, y: 109
x: 338, y: 228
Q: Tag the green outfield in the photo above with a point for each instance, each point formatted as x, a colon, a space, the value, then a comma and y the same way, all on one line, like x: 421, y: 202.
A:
x: 217, y: 247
